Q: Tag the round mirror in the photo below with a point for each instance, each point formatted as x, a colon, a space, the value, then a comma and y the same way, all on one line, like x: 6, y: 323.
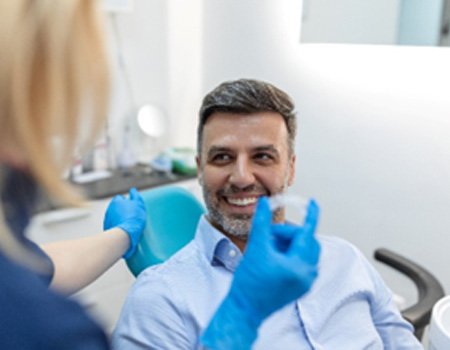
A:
x: 151, y: 120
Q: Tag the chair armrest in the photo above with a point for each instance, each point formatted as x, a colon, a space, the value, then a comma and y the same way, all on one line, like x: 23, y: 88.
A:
x: 429, y: 288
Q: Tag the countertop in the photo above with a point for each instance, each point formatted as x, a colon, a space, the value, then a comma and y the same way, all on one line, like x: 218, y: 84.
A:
x: 120, y: 182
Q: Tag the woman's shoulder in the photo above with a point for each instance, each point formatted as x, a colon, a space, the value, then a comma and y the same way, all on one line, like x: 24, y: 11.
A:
x: 34, y: 316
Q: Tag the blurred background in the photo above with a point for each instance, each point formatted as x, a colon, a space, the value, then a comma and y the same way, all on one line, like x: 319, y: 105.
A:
x: 371, y: 90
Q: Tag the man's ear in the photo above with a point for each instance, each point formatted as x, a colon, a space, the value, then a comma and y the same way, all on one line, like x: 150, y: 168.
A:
x: 291, y: 175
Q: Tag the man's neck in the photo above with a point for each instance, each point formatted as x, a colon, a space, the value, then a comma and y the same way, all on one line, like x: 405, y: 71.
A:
x: 239, y: 242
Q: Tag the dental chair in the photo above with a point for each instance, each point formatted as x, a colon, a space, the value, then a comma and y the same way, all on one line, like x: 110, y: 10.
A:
x: 428, y: 287
x: 172, y: 217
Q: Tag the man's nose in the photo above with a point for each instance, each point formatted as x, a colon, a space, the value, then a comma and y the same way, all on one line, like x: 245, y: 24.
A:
x: 242, y: 174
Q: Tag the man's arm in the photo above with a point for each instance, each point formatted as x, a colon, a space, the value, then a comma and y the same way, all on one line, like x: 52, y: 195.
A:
x: 151, y: 317
x: 394, y: 330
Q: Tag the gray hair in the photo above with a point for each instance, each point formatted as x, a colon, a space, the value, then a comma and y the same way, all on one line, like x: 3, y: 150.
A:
x: 246, y: 96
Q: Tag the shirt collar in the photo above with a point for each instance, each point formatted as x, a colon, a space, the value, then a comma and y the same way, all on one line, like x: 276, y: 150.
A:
x: 218, y: 248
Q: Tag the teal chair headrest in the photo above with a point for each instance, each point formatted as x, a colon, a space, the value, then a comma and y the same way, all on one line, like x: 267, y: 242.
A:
x: 172, y: 217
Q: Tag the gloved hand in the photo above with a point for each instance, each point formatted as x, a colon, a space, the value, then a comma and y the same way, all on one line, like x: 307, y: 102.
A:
x: 129, y: 215
x: 278, y: 267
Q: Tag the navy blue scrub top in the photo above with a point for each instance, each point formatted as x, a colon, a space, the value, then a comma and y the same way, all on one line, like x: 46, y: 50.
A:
x: 32, y: 316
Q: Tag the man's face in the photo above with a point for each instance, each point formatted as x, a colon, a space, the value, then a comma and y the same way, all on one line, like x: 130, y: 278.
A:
x: 243, y: 157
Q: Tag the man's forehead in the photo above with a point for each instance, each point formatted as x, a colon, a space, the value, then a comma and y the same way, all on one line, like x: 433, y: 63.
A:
x: 250, y: 131
x: 217, y: 148
x: 236, y: 117
x: 221, y: 124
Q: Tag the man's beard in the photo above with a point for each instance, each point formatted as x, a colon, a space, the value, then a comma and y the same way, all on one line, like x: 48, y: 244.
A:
x: 236, y: 225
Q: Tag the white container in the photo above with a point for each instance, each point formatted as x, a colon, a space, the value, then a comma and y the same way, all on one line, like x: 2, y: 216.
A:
x: 439, y: 334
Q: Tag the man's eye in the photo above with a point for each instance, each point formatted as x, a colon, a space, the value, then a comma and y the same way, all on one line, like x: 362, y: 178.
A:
x: 221, y: 158
x: 263, y: 156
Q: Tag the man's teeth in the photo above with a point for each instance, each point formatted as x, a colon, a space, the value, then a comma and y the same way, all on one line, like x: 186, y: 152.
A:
x: 242, y: 201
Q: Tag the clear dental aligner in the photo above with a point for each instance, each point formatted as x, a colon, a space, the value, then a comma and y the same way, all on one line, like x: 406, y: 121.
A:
x: 283, y: 200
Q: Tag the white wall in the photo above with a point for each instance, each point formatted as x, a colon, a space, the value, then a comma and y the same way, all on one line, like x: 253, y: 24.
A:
x: 144, y: 45
x: 376, y: 149
x: 161, y: 50
x: 186, y: 69
x: 374, y: 145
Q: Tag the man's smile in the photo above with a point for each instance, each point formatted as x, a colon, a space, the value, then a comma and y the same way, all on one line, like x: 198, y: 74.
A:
x: 243, y: 203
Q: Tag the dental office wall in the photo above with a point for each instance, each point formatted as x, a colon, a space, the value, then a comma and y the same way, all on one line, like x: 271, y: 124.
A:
x: 374, y: 127
x: 159, y: 46
x: 141, y: 75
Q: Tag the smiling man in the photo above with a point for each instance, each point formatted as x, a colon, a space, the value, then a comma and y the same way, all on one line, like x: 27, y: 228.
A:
x: 242, y: 157
x: 246, y: 138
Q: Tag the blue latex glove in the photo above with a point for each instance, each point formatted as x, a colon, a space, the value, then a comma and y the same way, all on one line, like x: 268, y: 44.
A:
x: 278, y: 267
x: 129, y: 215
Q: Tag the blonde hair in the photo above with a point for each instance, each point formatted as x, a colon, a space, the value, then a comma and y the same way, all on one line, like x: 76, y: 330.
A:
x: 54, y: 86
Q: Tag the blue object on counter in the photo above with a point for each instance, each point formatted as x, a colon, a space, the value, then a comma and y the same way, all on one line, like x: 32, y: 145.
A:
x: 180, y: 160
x: 183, y: 160
x: 162, y: 163
x: 172, y: 216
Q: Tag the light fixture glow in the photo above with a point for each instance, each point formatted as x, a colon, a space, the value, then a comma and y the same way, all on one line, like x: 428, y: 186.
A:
x: 151, y: 120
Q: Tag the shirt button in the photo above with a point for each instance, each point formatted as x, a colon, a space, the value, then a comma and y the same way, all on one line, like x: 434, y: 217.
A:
x: 232, y: 253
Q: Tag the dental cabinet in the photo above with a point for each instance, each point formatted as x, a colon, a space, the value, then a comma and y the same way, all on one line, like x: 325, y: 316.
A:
x: 103, y: 299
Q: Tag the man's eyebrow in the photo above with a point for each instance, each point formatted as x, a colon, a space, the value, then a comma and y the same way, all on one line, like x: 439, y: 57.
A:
x: 264, y: 148
x: 217, y: 149
x: 267, y: 148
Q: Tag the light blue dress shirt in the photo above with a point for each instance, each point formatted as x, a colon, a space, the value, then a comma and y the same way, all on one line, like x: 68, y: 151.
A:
x: 348, y: 307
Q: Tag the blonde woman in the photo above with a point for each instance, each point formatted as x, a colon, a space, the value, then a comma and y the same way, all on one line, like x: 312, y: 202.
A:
x: 53, y: 67
x: 53, y: 96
